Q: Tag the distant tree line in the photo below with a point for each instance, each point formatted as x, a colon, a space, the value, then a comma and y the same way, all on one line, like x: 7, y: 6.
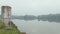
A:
x: 49, y: 17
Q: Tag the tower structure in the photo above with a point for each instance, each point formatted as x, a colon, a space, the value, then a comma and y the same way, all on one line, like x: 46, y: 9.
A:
x: 6, y: 15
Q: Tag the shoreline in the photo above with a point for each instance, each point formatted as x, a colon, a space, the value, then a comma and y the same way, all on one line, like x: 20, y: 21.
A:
x: 14, y: 29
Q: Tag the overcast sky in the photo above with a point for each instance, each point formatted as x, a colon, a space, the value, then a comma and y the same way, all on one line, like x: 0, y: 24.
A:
x: 32, y: 7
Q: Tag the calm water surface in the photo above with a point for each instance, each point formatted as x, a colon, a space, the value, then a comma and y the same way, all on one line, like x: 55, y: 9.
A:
x: 37, y: 27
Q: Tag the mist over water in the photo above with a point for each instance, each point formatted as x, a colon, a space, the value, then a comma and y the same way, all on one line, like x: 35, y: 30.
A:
x: 45, y: 21
x: 37, y: 27
x: 49, y: 17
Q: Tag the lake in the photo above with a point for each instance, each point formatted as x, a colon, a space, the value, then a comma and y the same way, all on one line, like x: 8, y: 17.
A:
x: 37, y: 27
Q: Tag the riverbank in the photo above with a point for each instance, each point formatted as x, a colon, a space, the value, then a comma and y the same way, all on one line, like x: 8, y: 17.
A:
x: 14, y: 30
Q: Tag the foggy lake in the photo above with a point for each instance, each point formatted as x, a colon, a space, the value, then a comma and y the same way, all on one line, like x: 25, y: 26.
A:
x: 43, y: 15
x: 37, y: 27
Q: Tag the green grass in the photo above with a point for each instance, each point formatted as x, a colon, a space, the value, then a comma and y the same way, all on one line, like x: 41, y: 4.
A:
x: 8, y: 31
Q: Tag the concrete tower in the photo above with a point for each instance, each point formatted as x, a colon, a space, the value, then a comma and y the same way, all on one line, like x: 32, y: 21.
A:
x: 6, y: 15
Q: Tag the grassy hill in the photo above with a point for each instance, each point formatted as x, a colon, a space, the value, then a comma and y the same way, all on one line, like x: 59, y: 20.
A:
x: 14, y: 30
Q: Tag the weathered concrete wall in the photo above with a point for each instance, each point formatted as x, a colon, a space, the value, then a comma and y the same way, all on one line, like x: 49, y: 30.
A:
x: 6, y: 15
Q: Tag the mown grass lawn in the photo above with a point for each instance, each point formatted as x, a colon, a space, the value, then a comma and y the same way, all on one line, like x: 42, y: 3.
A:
x: 8, y: 31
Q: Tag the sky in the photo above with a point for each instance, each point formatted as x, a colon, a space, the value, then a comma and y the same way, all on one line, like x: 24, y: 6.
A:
x: 32, y: 7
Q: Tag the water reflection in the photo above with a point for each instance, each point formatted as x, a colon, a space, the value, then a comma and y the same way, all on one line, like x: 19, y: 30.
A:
x: 50, y: 17
x: 38, y: 27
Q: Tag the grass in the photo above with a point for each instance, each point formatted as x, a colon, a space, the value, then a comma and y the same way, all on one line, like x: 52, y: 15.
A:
x: 8, y: 31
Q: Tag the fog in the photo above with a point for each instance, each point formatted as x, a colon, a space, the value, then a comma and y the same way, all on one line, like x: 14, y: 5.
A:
x: 32, y: 7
